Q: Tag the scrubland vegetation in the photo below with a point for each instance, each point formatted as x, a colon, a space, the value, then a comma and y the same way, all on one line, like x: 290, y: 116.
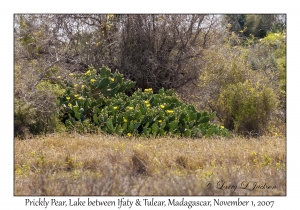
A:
x: 150, y: 104
x: 73, y: 164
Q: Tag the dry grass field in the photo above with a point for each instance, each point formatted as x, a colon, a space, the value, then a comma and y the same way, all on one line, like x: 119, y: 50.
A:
x: 72, y: 164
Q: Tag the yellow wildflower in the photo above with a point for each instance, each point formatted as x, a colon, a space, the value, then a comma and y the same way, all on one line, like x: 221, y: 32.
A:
x: 162, y: 106
x: 222, y: 127
x: 125, y: 120
x: 148, y: 105
x: 71, y: 74
x: 80, y: 98
x: 58, y: 77
x: 170, y: 111
x: 68, y: 98
x: 76, y: 95
x: 93, y: 80
x: 70, y: 105
x: 159, y: 121
x: 129, y: 134
x: 115, y: 107
x: 82, y: 86
x: 112, y: 79
x: 75, y: 85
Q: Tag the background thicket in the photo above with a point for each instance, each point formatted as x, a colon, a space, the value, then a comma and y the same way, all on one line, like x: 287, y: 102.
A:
x: 211, y: 61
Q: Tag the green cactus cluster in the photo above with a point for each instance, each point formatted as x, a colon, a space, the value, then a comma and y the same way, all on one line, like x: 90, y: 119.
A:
x: 99, y: 100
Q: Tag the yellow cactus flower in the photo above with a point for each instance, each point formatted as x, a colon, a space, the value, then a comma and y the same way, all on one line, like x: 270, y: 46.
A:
x: 162, y: 106
x: 112, y: 79
x: 148, y: 90
x: 88, y: 72
x: 110, y: 16
x: 115, y: 107
x: 125, y: 120
x: 93, y: 80
x: 68, y: 98
x: 70, y: 105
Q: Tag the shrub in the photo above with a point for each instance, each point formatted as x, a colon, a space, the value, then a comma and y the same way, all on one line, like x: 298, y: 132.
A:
x: 100, y: 99
x: 247, y: 108
x: 269, y: 56
x: 227, y: 68
x: 37, y: 112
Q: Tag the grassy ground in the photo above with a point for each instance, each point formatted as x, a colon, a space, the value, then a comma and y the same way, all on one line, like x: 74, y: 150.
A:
x: 72, y: 164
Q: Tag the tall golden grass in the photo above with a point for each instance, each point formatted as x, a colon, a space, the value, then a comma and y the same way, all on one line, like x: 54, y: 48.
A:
x: 72, y: 164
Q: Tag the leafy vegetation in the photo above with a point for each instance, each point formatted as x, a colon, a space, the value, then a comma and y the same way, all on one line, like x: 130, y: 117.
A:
x: 247, y: 77
x: 200, y: 57
x: 99, y: 99
x: 174, y: 108
x: 247, y: 108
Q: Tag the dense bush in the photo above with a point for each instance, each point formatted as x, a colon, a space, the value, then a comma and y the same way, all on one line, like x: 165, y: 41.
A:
x: 155, y: 51
x: 98, y: 100
x: 243, y: 80
x: 269, y: 56
x: 247, y: 108
x: 37, y: 112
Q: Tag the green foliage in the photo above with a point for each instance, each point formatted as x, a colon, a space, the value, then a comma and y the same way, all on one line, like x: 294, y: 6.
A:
x: 38, y: 115
x: 248, y: 106
x: 277, y: 42
x: 53, y: 88
x: 29, y: 39
x: 269, y: 57
x: 258, y: 69
x: 257, y: 25
x: 100, y: 100
x: 22, y: 117
x: 92, y: 89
